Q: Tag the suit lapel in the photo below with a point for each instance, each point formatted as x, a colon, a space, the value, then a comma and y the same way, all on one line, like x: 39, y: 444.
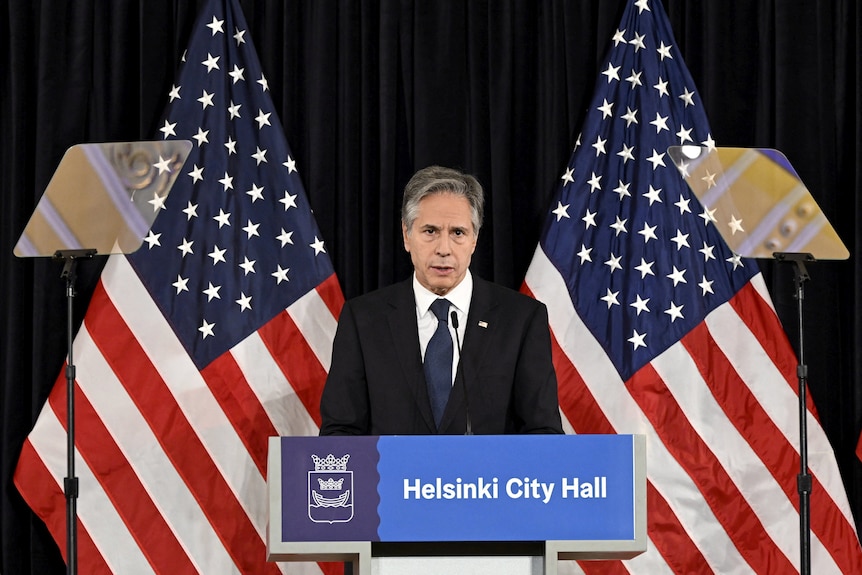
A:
x: 405, y: 334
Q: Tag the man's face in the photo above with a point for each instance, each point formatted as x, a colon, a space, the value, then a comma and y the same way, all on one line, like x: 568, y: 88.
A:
x: 441, y: 242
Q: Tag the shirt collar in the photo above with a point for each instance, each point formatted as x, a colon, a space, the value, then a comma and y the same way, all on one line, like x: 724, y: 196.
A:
x: 460, y: 295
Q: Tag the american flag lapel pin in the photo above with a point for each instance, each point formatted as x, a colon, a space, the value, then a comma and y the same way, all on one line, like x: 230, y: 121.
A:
x: 483, y: 324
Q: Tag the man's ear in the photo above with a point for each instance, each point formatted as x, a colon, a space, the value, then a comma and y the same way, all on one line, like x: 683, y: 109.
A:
x: 404, y: 236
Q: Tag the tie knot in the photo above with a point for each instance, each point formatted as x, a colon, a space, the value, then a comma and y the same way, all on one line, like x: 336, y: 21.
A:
x: 440, y: 307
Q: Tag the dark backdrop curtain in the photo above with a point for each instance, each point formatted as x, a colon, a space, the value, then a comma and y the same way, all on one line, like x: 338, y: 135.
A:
x: 369, y: 91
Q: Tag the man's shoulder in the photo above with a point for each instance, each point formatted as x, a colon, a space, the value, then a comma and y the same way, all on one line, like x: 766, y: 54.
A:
x: 504, y: 295
x: 388, y: 296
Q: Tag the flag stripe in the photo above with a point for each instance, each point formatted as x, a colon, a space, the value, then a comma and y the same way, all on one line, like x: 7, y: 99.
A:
x: 181, y: 443
x: 143, y: 520
x: 240, y: 404
x: 297, y: 361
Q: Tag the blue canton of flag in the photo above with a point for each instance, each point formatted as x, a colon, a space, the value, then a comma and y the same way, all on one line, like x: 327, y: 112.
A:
x: 237, y: 238
x: 643, y: 261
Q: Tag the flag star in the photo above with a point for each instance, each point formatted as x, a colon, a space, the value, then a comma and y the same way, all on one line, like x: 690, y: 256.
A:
x: 630, y: 117
x: 606, y: 109
x: 612, y: 72
x: 211, y: 62
x: 290, y: 164
x: 568, y: 177
x: 623, y: 190
x: 653, y: 195
x: 648, y: 232
x: 197, y: 174
x: 709, y: 143
x: 186, y: 247
x: 656, y: 159
x: 230, y: 145
x: 578, y: 142
x: 708, y: 216
x: 595, y: 183
x: 661, y: 86
x: 175, y: 93
x: 584, y: 254
x: 239, y: 36
x: 675, y: 312
x: 182, y: 284
x: 222, y: 218
x: 637, y: 339
x: 686, y: 97
x: 561, y: 211
x: 610, y: 298
x: 288, y: 201
x: 626, y: 153
x: 600, y: 146
x: 660, y: 123
x: 263, y: 83
x: 262, y: 119
x: 212, y: 292
x: 163, y: 165
x: 202, y: 137
x: 248, y: 266
x: 680, y: 240
x: 244, y: 302
x: 682, y: 204
x: 168, y: 129
x: 640, y: 304
x: 709, y: 179
x: 735, y: 225
x: 684, y: 134
x: 645, y: 268
x: 237, y: 74
x: 255, y: 193
x: 638, y: 41
x: 191, y: 211
x: 281, y: 275
x: 614, y: 263
x: 259, y: 155
x: 619, y: 226
x: 153, y: 239
x: 707, y: 250
x: 285, y: 237
x: 206, y: 329
x: 664, y: 51
x: 233, y: 110
x: 619, y: 37
x: 678, y: 276
x: 705, y: 286
x: 158, y: 202
x: 217, y: 255
x: 216, y: 26
x: 251, y: 229
x: 589, y: 219
x: 683, y: 169
x: 227, y: 182
x: 317, y: 246
x: 736, y: 260
x: 635, y: 79
x: 206, y: 99
x: 642, y: 5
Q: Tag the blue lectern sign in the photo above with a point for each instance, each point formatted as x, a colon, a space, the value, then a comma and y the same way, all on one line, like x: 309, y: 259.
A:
x: 457, y: 488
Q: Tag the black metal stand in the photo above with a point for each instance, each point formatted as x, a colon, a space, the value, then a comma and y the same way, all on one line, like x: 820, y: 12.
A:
x: 70, y: 483
x: 803, y: 480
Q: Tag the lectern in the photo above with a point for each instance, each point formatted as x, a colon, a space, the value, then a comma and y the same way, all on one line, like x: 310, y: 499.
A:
x: 481, y: 504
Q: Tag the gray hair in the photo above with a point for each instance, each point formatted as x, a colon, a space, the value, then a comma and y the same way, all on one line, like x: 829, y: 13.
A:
x: 436, y: 180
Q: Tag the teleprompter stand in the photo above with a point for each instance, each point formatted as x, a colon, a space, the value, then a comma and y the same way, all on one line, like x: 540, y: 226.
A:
x: 102, y: 199
x: 774, y: 216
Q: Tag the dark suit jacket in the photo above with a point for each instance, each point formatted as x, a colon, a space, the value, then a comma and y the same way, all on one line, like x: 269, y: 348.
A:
x: 376, y: 384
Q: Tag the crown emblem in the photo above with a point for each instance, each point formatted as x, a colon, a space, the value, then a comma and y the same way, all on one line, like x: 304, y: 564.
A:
x: 330, y: 484
x: 330, y: 463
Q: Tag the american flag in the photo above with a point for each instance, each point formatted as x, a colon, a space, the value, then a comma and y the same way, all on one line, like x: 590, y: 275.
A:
x: 659, y: 329
x: 212, y: 337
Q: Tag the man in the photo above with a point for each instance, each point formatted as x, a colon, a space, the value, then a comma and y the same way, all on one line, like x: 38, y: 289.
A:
x: 398, y: 366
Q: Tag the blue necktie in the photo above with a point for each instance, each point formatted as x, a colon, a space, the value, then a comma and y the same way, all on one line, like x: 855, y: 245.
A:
x: 438, y: 361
